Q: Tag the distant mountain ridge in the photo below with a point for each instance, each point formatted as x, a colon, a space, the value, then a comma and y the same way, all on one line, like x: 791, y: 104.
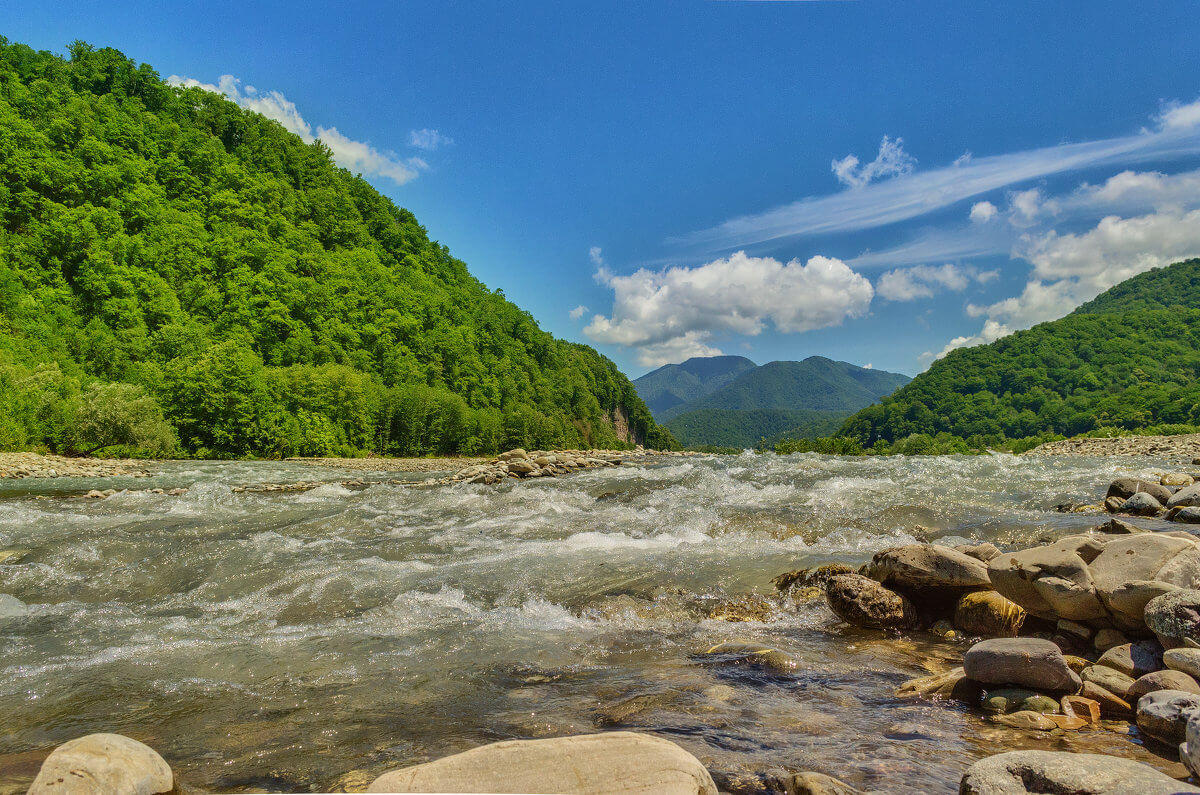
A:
x: 729, y: 401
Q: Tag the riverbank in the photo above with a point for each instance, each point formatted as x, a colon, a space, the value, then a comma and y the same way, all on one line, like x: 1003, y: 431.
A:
x: 1184, y: 447
x: 35, y: 465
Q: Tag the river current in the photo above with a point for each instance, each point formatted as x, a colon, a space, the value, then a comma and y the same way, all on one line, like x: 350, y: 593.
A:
x: 285, y: 640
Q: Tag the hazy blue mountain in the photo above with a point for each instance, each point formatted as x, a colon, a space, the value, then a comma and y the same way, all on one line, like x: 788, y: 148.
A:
x: 673, y: 385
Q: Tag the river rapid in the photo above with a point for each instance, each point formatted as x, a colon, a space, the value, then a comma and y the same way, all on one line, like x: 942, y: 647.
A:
x: 283, y: 640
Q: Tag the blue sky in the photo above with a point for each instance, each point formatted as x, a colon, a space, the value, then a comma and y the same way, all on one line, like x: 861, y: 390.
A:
x: 870, y: 181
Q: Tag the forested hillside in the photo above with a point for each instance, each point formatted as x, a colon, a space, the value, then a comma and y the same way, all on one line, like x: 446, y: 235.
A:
x: 1130, y: 359
x: 175, y: 267
x: 751, y: 427
x: 669, y: 389
x: 817, y: 383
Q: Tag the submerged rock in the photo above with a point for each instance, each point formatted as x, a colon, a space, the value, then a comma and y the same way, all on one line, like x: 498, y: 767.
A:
x: 815, y: 577
x: 591, y: 764
x: 1062, y: 772
x: 952, y: 684
x: 1002, y: 700
x: 747, y: 607
x: 104, y: 764
x: 736, y: 653
x: 863, y: 602
x: 1025, y: 719
x: 1028, y: 662
x: 812, y: 784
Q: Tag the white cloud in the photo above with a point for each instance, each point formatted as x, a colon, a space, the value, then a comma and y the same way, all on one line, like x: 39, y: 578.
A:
x: 661, y: 313
x: 428, y: 139
x: 921, y: 281
x: 348, y: 153
x: 892, y: 161
x: 1175, y: 135
x: 1024, y: 206
x: 982, y: 212
x: 596, y: 255
x: 578, y: 312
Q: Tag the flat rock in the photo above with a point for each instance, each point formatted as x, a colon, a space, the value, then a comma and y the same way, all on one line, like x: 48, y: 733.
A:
x: 1111, y: 705
x: 1162, y: 680
x: 920, y: 566
x: 1051, y: 582
x: 1110, y: 679
x: 103, y: 764
x: 863, y: 602
x: 1174, y: 616
x: 1163, y: 714
x: 1061, y: 773
x: 1027, y: 662
x: 1025, y: 719
x: 590, y: 764
x: 1134, y: 659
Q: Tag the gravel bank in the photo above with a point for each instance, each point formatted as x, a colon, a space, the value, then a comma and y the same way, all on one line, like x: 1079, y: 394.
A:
x: 1186, y: 446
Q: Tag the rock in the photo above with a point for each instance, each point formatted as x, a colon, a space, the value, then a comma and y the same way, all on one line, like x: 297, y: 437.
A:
x: 1163, y: 714
x: 1034, y: 721
x: 1185, y: 497
x: 1107, y: 638
x: 747, y: 607
x: 12, y: 607
x: 1074, y: 630
x: 811, y: 784
x: 1176, y: 479
x: 591, y: 764
x: 944, y: 629
x: 1081, y: 707
x: 1185, y: 660
x: 818, y: 576
x: 921, y: 566
x: 1111, y: 680
x: 983, y: 552
x: 517, y: 453
x: 1162, y: 680
x: 1174, y: 616
x: 1002, y: 700
x: 1116, y: 527
x: 1129, y: 601
x: 1041, y: 704
x: 103, y: 764
x: 522, y: 466
x: 1113, y: 504
x: 754, y: 654
x: 1134, y: 659
x: 1189, y: 751
x: 1190, y: 515
x: 1142, y: 504
x: 1029, y: 662
x: 1051, y: 582
x: 1127, y: 487
x: 988, y: 614
x: 1111, y: 705
x: 1063, y: 772
x: 952, y: 684
x: 1068, y: 723
x: 863, y: 602
x: 1127, y: 559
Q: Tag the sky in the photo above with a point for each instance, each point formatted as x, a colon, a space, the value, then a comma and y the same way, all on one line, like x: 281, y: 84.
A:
x: 876, y: 182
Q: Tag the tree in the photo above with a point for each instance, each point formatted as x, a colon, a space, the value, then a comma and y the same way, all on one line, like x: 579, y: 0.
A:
x: 121, y: 414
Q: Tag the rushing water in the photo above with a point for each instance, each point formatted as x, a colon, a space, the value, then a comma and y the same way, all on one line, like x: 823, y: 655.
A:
x: 282, y: 640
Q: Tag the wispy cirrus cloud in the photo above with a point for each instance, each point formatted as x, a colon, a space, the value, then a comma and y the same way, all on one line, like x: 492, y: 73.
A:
x: 357, y: 156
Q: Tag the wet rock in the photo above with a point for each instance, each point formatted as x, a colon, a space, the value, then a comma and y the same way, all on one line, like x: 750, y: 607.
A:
x: 983, y: 552
x: 1081, y: 707
x: 1189, y: 751
x: 1029, y: 720
x: 944, y: 629
x: 1163, y: 714
x: 988, y: 614
x: 1041, y: 704
x: 1002, y: 700
x: 1174, y: 617
x: 754, y: 654
x: 1185, y: 497
x: 919, y: 566
x: 1183, y: 659
x: 1142, y: 504
x: 952, y: 684
x: 863, y: 602
x: 1189, y: 515
x: 1116, y: 527
x: 1028, y: 662
x: 103, y: 764
x: 625, y: 711
x: 747, y: 607
x: 815, y: 577
x: 352, y: 781
x: 1111, y: 705
x: 1107, y: 638
x: 592, y: 764
x: 809, y: 784
x: 1062, y: 772
x: 12, y: 607
x: 1176, y: 479
x: 1134, y: 659
x: 1111, y: 680
x: 1127, y: 487
x: 1051, y: 582
x: 1162, y: 680
x: 1112, y: 504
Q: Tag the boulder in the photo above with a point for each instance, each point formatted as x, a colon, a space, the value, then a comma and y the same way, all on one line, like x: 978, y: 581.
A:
x: 1111, y: 705
x: 919, y: 566
x: 1129, y: 601
x: 1142, y: 504
x: 1107, y: 638
x: 1163, y: 714
x: 1190, y: 515
x: 1174, y: 617
x: 1162, y: 680
x: 1185, y: 497
x: 1185, y: 660
x: 988, y: 614
x: 1189, y: 751
x: 1027, y: 662
x: 1176, y: 479
x: 1134, y: 659
x: 104, y: 764
x: 1002, y: 700
x: 1111, y: 680
x: 590, y: 764
x: 863, y: 602
x: 1063, y: 772
x: 983, y: 552
x: 1051, y: 582
x: 1128, y: 559
x: 1124, y: 488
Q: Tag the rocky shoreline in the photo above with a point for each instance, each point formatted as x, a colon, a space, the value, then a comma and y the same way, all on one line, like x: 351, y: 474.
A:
x: 1185, y: 447
x: 35, y: 465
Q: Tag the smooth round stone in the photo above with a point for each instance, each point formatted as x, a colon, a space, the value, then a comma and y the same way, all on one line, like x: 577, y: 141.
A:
x: 1062, y: 772
x: 1163, y: 714
x: 1142, y: 504
x: 1003, y: 700
x: 1041, y: 704
x: 1026, y: 662
x: 1185, y: 660
x: 1162, y: 680
x: 1175, y: 616
x: 103, y: 764
x: 1134, y: 659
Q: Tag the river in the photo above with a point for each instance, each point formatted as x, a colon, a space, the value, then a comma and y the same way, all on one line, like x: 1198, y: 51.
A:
x: 282, y: 640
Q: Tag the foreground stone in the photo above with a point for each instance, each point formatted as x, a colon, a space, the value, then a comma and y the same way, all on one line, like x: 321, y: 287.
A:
x: 1162, y: 680
x: 1029, y: 662
x: 920, y: 566
x: 952, y: 684
x: 988, y: 614
x: 863, y: 602
x: 1134, y: 659
x: 1189, y: 751
x: 104, y: 764
x: 591, y: 764
x: 1061, y: 772
x: 811, y: 784
x: 1174, y: 616
x: 1164, y: 714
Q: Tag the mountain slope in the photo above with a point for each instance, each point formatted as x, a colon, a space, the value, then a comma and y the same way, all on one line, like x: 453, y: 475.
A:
x: 671, y: 386
x: 1128, y: 359
x: 270, y: 302
x: 748, y: 427
x: 816, y: 383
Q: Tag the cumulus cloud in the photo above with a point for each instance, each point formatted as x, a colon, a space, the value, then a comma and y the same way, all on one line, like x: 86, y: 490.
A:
x: 664, y: 314
x: 982, y: 212
x: 922, y: 281
x: 348, y: 153
x: 428, y: 139
x: 1178, y: 116
x: 891, y: 161
x: 578, y: 312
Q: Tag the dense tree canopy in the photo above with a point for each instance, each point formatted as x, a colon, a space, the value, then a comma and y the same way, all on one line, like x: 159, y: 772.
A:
x: 269, y: 302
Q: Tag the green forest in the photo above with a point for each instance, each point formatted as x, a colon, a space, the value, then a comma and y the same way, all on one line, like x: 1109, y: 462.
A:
x: 1127, y: 361
x: 179, y: 275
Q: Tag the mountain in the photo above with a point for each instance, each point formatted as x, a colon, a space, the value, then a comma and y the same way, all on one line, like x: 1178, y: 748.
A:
x: 250, y: 297
x: 673, y: 385
x: 727, y: 401
x: 1129, y: 359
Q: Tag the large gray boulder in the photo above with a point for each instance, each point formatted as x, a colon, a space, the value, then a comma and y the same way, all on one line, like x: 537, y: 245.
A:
x: 104, y: 764
x: 1060, y: 772
x: 1028, y: 662
x: 1053, y: 581
x: 1124, y: 488
x: 920, y: 566
x: 1189, y: 751
x: 1163, y: 714
x: 863, y: 602
x: 590, y: 764
x: 1185, y: 497
x: 1142, y: 504
x: 1174, y: 617
x: 1128, y: 559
